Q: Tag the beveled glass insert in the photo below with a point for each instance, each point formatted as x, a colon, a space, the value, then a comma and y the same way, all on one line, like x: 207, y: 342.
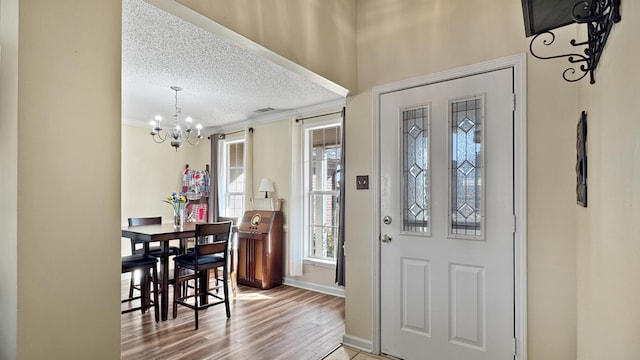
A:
x: 466, y: 167
x: 415, y: 169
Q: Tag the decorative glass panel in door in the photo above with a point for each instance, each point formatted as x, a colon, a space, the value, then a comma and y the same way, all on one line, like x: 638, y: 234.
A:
x: 415, y: 170
x: 466, y: 136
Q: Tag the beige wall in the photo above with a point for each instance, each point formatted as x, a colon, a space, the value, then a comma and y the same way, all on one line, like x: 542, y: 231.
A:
x: 272, y: 159
x: 9, y: 177
x: 608, y: 242
x: 68, y: 171
x: 73, y: 58
x: 317, y: 34
x: 551, y: 155
x: 358, y: 218
x: 403, y: 39
x: 151, y: 172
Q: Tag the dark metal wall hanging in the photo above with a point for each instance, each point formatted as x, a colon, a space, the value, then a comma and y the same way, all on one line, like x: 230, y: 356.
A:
x: 599, y: 16
x: 581, y: 160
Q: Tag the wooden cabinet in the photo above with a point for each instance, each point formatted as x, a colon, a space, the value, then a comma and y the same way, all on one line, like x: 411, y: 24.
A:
x: 260, y: 237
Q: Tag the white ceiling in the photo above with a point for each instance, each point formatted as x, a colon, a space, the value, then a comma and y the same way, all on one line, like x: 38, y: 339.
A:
x: 222, y: 82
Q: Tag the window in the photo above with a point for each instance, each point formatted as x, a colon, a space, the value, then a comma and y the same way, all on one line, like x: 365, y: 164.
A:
x: 232, y: 178
x: 322, y: 173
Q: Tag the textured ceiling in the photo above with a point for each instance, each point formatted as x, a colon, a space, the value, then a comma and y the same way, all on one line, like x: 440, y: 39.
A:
x: 222, y: 82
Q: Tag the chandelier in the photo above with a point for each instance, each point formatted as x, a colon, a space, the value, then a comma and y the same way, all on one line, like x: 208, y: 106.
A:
x: 176, y: 134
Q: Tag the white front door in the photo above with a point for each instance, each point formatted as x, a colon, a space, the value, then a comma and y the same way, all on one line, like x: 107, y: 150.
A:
x: 447, y: 227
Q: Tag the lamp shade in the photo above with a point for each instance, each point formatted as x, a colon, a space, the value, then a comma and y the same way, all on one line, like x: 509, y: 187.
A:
x: 266, y: 185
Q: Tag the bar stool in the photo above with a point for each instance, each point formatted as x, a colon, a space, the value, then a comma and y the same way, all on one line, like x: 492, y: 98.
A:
x: 211, y: 251
x: 155, y: 250
x: 147, y: 266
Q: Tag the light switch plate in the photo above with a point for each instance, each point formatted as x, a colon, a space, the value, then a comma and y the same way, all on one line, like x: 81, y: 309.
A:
x: 362, y: 182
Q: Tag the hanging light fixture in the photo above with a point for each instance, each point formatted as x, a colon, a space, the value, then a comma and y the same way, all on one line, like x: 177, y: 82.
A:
x: 176, y: 135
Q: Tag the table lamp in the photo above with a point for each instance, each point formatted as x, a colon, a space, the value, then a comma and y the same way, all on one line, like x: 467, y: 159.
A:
x: 267, y: 186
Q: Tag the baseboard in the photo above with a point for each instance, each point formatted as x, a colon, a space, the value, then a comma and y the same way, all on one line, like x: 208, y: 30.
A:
x: 330, y: 290
x: 357, y: 343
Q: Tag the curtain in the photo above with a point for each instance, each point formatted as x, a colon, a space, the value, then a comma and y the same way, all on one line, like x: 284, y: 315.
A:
x: 248, y: 167
x: 214, y: 186
x: 340, y: 259
x: 296, y: 222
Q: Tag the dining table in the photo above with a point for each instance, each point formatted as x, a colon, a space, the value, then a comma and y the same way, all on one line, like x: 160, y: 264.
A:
x: 162, y: 233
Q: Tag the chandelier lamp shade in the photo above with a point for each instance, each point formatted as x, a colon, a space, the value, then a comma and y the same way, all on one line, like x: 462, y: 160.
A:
x: 176, y: 135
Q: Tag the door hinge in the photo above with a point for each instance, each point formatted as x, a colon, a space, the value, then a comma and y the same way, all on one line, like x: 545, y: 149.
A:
x: 515, y: 224
x: 513, y: 103
x: 515, y: 347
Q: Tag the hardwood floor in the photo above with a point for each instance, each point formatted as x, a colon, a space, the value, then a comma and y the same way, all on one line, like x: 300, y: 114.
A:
x: 280, y: 323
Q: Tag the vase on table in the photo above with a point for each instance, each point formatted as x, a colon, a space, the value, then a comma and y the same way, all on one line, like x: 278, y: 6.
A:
x: 178, y: 218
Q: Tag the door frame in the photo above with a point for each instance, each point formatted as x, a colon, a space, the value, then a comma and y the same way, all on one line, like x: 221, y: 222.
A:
x: 518, y: 65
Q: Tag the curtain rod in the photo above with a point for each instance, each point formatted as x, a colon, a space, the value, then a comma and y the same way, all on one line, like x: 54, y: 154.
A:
x: 316, y: 116
x: 223, y: 135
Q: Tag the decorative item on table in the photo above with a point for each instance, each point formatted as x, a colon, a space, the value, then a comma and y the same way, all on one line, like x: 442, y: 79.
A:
x: 179, y: 203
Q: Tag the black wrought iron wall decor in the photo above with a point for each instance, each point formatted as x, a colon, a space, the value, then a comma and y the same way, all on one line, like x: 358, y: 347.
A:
x: 599, y: 15
x: 581, y: 160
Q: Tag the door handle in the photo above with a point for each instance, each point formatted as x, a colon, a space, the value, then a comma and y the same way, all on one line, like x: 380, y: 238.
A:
x: 386, y: 238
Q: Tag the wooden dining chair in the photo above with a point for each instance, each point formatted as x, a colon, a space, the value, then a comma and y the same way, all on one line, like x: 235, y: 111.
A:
x: 137, y: 247
x: 210, y: 251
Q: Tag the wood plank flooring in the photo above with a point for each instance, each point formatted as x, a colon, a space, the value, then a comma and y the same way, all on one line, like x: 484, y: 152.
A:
x: 279, y: 323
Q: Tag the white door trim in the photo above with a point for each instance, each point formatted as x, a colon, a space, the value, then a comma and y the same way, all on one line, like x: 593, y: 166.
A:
x: 518, y: 64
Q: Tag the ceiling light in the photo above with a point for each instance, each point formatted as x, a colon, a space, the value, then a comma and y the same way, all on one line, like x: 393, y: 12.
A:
x: 176, y: 135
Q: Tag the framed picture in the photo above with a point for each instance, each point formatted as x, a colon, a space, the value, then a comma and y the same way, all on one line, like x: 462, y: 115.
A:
x: 581, y: 160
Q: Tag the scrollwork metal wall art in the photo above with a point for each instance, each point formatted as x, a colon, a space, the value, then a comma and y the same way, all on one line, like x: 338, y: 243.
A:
x: 599, y: 15
x: 581, y: 160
